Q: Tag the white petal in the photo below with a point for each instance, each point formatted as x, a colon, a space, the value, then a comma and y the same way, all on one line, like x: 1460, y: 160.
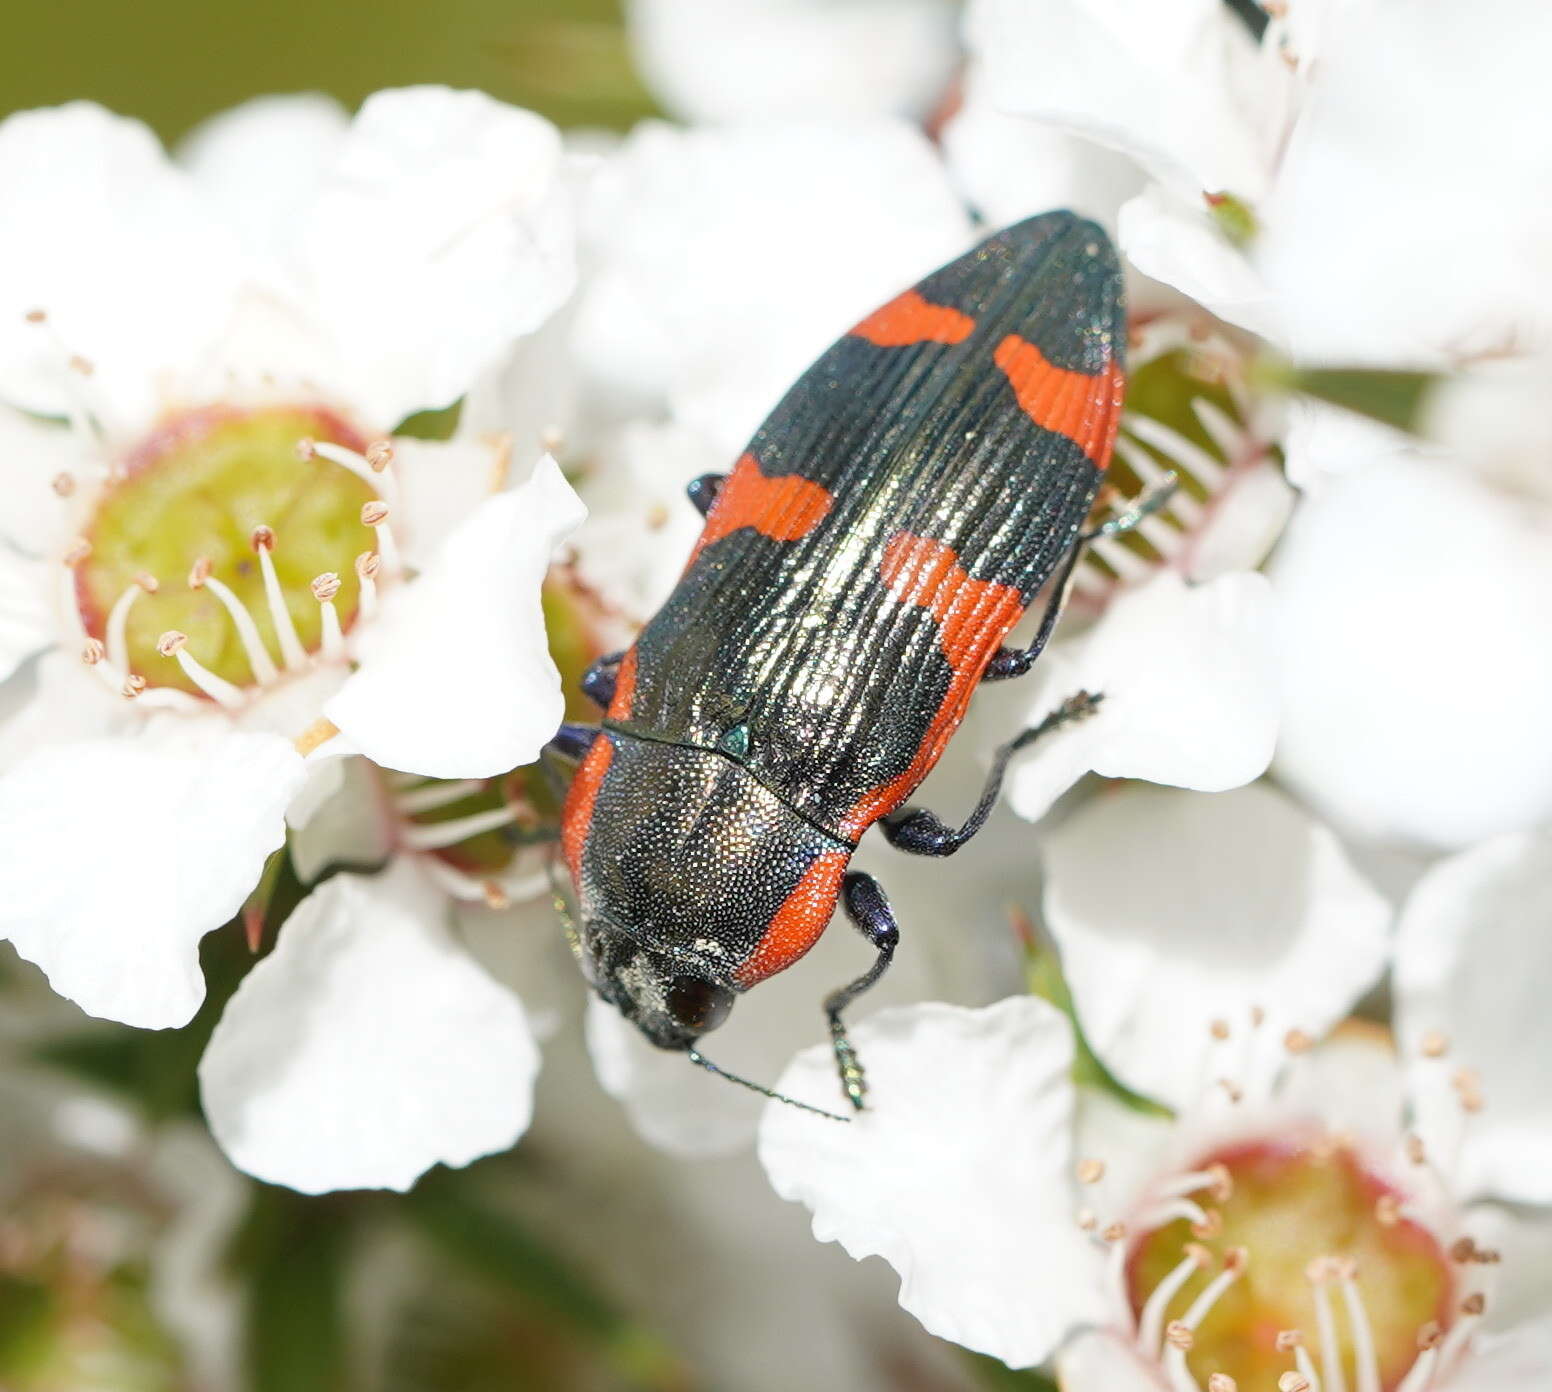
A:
x: 1173, y: 910
x: 672, y: 1104
x: 1473, y: 959
x: 442, y: 235
x: 1421, y: 170
x: 262, y: 163
x: 1320, y: 441
x: 714, y: 295
x: 1513, y: 1361
x: 1154, y: 79
x: 367, y: 1047
x: 1351, y: 1081
x: 1104, y: 1361
x: 55, y: 700
x: 456, y: 680
x: 1248, y: 515
x: 119, y: 855
x: 133, y: 268
x: 524, y: 949
x: 1406, y: 591
x: 347, y: 823
x: 706, y: 60
x: 957, y: 1174
x: 33, y: 453
x: 1175, y: 242
x: 440, y: 483
x: 1494, y: 418
x: 1011, y: 168
x: 1187, y: 676
x: 26, y: 625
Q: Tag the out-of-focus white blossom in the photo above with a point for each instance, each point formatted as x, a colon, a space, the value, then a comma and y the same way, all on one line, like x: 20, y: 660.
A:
x: 727, y: 60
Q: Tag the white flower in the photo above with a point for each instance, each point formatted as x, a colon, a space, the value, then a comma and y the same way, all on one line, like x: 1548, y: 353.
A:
x: 1188, y: 684
x: 368, y: 1046
x: 1029, y: 1221
x: 181, y: 545
x: 1415, y: 605
x: 1181, y: 88
x: 708, y: 60
x: 727, y: 259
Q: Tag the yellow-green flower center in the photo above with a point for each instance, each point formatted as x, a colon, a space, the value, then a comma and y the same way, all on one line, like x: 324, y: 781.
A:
x: 1309, y: 1217
x: 194, y: 493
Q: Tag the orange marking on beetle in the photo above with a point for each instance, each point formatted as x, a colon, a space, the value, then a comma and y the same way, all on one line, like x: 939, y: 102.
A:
x: 1084, y: 408
x: 786, y: 507
x: 974, y: 616
x: 577, y: 816
x: 624, y: 688
x: 908, y: 319
x: 799, y: 921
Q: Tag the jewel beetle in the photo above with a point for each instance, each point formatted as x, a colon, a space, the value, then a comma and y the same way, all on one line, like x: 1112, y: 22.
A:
x: 858, y: 572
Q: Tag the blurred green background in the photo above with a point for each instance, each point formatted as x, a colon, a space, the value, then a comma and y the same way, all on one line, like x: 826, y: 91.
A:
x: 174, y: 62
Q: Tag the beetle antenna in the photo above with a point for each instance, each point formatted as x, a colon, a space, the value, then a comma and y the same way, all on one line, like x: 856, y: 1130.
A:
x: 696, y: 1057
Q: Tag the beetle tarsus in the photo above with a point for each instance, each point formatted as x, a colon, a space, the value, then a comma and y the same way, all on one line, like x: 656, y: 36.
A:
x: 868, y: 909
x: 598, y: 681
x: 573, y: 741
x: 703, y: 491
x: 1156, y: 499
x: 920, y: 832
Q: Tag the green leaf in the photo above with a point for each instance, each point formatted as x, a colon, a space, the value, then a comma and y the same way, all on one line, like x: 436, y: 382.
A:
x: 492, y: 1243
x: 292, y: 1253
x: 1044, y: 976
x: 996, y: 1376
x: 432, y: 425
x: 1394, y: 398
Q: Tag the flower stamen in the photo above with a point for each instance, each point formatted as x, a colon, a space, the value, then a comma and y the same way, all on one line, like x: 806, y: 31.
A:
x: 1318, y: 1273
x: 1234, y: 1263
x: 371, y: 468
x: 292, y: 653
x: 324, y: 588
x: 118, y: 619
x: 1368, y: 1367
x: 368, y: 563
x: 436, y: 836
x: 1150, y: 1326
x: 259, y: 660
x: 435, y: 795
x: 375, y: 516
x: 175, y: 645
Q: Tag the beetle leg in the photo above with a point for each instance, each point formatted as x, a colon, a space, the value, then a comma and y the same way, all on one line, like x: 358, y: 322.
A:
x: 703, y: 491
x: 869, y: 910
x: 1015, y: 662
x: 598, y: 681
x: 920, y: 832
x: 573, y: 741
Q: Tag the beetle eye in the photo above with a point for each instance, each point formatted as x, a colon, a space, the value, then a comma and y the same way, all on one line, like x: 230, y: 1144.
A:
x: 698, y: 1005
x: 735, y: 741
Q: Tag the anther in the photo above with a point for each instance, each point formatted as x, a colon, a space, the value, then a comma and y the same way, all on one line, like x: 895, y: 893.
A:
x: 1222, y: 1182
x: 1429, y: 1336
x: 1219, y: 1029
x: 495, y: 897
x: 174, y: 644
x: 1221, y: 1382
x: 93, y: 652
x: 134, y: 684
x: 1210, y: 1227
x: 367, y: 565
x: 199, y: 572
x: 1463, y: 1249
x: 81, y: 365
x: 36, y: 316
x: 1177, y: 1334
x: 306, y: 449
x: 1257, y: 1017
x: 1467, y: 1083
x: 1114, y: 1232
x: 1293, y: 1382
x: 1231, y: 1090
x: 1288, y: 1339
x: 1296, y: 1041
x: 1195, y: 1252
x: 1090, y: 1171
x: 78, y: 552
x: 374, y: 513
x: 262, y: 539
x: 1433, y: 1045
x: 1236, y: 1259
x: 325, y: 586
x: 170, y: 642
x: 1473, y: 1304
x: 1415, y: 1150
x: 63, y: 484
x: 379, y: 454
x: 1087, y: 1219
x: 1387, y: 1210
x: 552, y: 439
x: 147, y: 582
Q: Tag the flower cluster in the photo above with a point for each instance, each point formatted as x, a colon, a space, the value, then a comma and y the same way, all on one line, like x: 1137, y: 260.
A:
x: 1267, y: 1106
